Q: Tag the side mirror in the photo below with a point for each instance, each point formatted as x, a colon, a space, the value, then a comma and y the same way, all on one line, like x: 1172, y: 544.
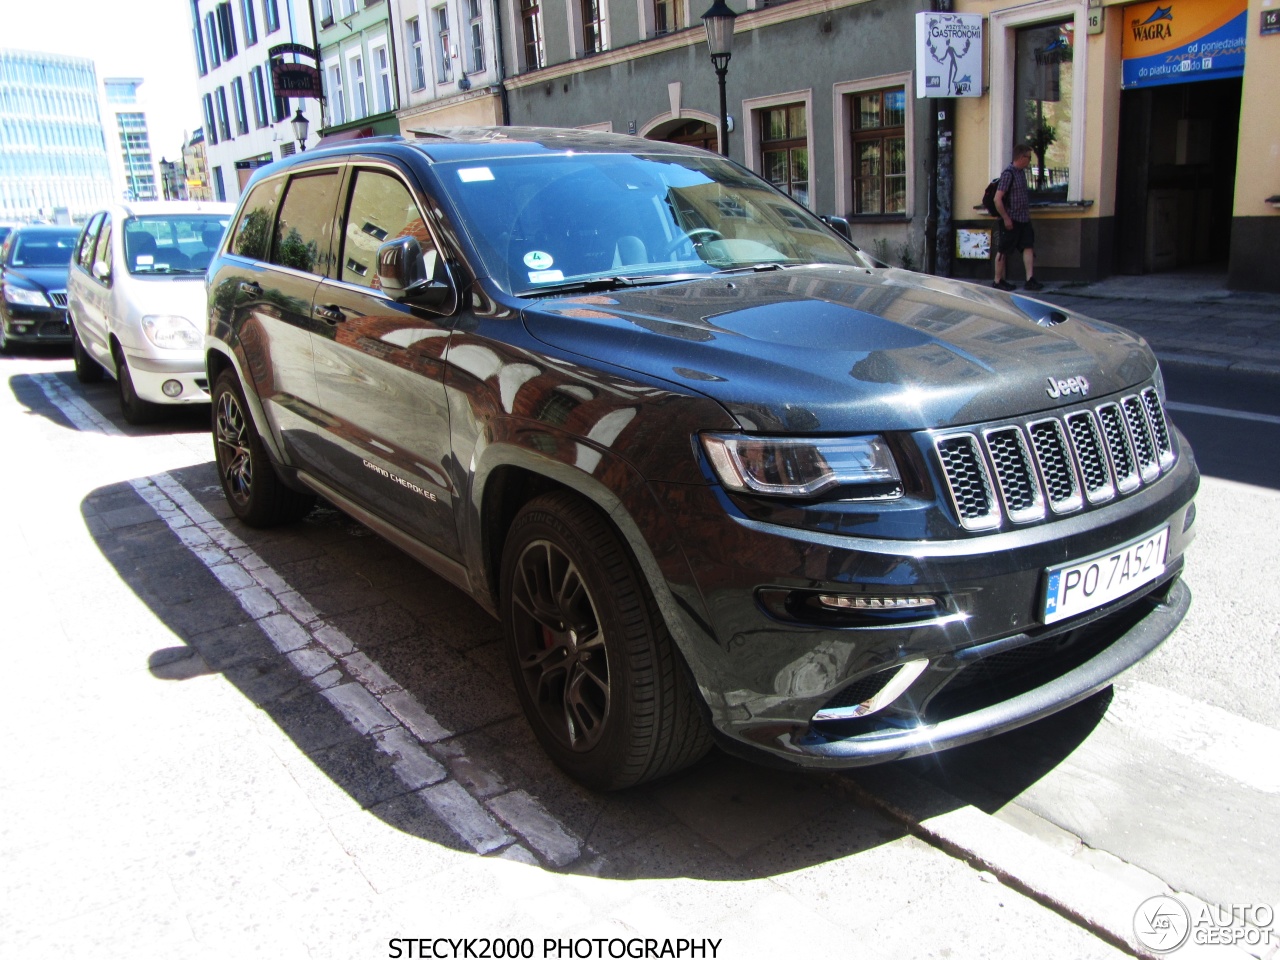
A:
x: 102, y: 270
x: 406, y: 275
x: 840, y: 225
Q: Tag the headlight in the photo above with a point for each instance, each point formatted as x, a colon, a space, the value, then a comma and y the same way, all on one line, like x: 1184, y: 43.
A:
x: 28, y: 298
x: 803, y: 467
x: 172, y: 333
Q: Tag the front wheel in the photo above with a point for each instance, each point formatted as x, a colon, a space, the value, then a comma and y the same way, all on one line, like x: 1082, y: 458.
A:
x: 133, y: 408
x: 88, y: 370
x: 596, y: 671
x: 256, y: 494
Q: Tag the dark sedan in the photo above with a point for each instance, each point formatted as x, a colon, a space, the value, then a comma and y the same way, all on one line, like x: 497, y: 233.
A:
x: 34, y: 262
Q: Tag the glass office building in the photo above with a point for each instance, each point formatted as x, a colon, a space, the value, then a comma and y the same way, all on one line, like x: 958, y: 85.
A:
x: 53, y: 156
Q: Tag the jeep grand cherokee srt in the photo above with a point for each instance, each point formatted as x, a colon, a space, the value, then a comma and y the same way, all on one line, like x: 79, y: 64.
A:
x: 720, y: 476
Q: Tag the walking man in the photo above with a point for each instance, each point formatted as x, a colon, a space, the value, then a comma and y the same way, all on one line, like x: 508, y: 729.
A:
x: 1013, y: 204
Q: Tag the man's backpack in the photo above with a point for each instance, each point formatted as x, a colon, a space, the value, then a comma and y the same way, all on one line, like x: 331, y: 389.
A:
x: 989, y: 197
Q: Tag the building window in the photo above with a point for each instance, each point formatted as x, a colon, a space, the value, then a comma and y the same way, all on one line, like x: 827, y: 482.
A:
x: 1042, y: 88
x: 219, y: 191
x: 784, y: 149
x: 668, y: 16
x: 382, y: 92
x: 444, y: 69
x: 271, y: 14
x: 348, y: 8
x: 211, y: 32
x: 417, y: 69
x: 477, y: 37
x: 227, y: 30
x: 224, y: 124
x: 593, y: 40
x: 259, y: 97
x: 197, y: 35
x: 250, y: 23
x: 531, y: 27
x: 337, y: 104
x: 209, y: 125
x: 326, y: 13
x: 237, y: 101
x: 879, y: 151
x: 359, y: 98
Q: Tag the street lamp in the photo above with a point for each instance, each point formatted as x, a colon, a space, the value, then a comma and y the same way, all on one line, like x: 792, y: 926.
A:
x: 300, y: 127
x: 719, y: 23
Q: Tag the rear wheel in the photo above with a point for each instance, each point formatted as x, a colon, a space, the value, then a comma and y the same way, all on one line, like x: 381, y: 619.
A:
x: 88, y: 370
x: 135, y: 410
x: 596, y: 671
x: 256, y: 494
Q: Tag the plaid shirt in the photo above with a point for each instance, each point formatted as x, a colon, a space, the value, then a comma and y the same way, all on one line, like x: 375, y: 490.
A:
x: 1017, y: 202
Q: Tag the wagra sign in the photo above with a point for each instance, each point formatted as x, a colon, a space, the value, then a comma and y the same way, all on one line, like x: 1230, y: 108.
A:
x: 948, y: 55
x: 1177, y: 41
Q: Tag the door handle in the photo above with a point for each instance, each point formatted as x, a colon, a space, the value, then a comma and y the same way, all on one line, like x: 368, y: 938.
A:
x: 329, y: 314
x: 251, y: 288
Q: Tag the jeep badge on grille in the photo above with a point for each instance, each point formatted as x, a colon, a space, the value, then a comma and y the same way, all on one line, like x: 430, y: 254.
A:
x: 1060, y: 388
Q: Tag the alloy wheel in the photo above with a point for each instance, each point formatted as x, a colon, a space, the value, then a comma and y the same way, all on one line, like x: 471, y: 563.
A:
x: 230, y: 431
x: 561, y: 646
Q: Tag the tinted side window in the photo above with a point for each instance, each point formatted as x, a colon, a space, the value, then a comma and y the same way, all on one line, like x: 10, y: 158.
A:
x: 252, y: 235
x: 84, y: 252
x: 381, y: 209
x: 305, y: 223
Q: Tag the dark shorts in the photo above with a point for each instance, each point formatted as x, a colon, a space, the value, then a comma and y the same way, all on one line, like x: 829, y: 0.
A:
x: 1021, y: 237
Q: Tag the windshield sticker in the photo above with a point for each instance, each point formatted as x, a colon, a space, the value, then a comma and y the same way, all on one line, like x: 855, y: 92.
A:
x: 546, y: 276
x: 538, y: 260
x: 145, y: 260
x: 475, y: 174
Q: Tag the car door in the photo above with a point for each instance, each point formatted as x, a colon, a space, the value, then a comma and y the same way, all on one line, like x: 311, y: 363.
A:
x: 266, y: 283
x: 96, y: 303
x: 81, y: 283
x: 379, y: 367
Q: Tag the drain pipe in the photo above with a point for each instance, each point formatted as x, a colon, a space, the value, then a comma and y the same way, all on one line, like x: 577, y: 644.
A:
x: 502, y: 63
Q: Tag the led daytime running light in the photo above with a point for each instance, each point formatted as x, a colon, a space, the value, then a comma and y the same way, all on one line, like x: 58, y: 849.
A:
x: 840, y: 602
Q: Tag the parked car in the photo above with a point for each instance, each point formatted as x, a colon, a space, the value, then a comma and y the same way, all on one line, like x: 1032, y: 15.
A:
x: 719, y: 475
x: 33, y: 285
x: 137, y: 301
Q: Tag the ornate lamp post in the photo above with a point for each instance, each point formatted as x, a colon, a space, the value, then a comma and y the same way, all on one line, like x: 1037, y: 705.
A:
x: 300, y: 126
x: 719, y: 23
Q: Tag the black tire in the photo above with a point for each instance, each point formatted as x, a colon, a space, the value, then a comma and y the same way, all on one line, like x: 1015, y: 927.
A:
x: 5, y: 346
x: 88, y: 370
x: 133, y: 408
x: 252, y: 488
x: 596, y: 671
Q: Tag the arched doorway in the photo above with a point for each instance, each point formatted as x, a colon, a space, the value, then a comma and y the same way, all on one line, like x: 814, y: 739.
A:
x: 695, y: 133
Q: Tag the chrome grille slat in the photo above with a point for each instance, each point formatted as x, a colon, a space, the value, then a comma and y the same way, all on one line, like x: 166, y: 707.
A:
x: 1010, y: 471
x: 1057, y: 470
x: 59, y: 297
x: 1015, y: 475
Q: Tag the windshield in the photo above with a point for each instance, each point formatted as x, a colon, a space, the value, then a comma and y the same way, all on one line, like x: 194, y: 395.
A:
x: 541, y: 222
x: 48, y: 248
x: 172, y: 243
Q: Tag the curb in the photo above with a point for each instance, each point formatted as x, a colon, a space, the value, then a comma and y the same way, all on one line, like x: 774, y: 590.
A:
x: 1077, y: 890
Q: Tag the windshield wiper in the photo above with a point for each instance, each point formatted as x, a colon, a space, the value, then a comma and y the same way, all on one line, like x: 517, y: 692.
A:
x: 609, y: 283
x: 755, y: 267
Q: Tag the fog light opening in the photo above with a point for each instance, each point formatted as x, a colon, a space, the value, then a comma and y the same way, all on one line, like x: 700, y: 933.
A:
x: 171, y: 388
x: 900, y: 678
x: 837, y: 601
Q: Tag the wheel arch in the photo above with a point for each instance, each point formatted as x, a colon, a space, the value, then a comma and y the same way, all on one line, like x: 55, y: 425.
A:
x: 218, y: 358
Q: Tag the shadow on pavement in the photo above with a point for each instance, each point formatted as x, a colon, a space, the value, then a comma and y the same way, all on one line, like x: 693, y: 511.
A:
x: 725, y: 819
x: 193, y: 418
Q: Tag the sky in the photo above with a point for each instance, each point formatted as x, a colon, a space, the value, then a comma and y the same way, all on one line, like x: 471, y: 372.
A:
x: 150, y: 39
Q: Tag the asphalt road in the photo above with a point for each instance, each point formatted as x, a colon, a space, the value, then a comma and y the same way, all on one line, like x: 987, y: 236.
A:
x: 298, y: 743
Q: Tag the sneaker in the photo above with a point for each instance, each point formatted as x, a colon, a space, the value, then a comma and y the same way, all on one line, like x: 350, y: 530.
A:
x: 1005, y: 285
x: 1033, y: 284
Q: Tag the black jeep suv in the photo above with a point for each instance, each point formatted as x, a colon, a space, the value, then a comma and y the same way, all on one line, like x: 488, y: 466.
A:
x: 721, y: 476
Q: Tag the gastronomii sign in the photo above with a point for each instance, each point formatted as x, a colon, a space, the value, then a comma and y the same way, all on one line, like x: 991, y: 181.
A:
x: 1177, y: 41
x: 948, y: 55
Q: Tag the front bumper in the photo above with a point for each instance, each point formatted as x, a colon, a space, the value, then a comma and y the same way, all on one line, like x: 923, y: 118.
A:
x: 23, y: 324
x: 987, y: 662
x: 151, y: 373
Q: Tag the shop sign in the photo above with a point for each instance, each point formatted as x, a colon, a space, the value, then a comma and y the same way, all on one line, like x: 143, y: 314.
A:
x: 948, y: 55
x: 1177, y: 41
x: 294, y: 79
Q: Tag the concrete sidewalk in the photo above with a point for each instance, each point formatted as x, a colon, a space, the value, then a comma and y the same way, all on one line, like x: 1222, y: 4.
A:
x: 1186, y: 317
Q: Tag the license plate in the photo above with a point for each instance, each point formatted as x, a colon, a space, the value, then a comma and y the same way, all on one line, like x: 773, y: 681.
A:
x: 1075, y: 588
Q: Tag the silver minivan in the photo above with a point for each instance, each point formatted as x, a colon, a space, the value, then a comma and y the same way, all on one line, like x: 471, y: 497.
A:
x: 136, y: 301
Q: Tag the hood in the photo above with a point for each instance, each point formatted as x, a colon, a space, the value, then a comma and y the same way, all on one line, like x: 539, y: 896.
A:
x: 43, y: 278
x: 841, y: 349
x: 178, y: 295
